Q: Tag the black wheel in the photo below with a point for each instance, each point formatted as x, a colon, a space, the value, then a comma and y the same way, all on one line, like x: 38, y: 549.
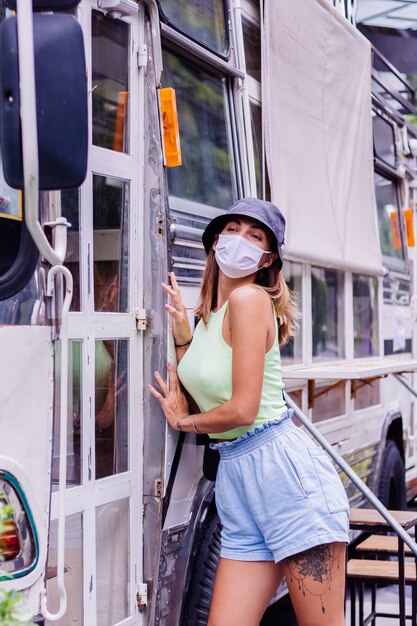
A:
x: 204, y: 559
x: 391, y: 490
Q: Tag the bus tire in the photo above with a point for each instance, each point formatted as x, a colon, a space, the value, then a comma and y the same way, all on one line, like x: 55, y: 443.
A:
x: 204, y: 560
x: 391, y: 491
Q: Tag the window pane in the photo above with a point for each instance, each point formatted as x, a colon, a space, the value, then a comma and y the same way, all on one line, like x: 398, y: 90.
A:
x: 365, y: 315
x: 111, y: 414
x: 329, y: 400
x: 110, y: 61
x: 73, y: 577
x: 388, y: 217
x: 292, y: 351
x: 110, y: 217
x: 10, y: 224
x: 112, y: 521
x: 256, y: 122
x: 206, y: 173
x: 366, y: 393
x: 327, y: 288
x: 252, y: 42
x: 203, y: 20
x: 74, y: 424
x: 384, y: 140
x: 70, y: 208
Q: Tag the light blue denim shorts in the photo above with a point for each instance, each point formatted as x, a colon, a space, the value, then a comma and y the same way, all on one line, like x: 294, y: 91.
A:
x: 277, y: 494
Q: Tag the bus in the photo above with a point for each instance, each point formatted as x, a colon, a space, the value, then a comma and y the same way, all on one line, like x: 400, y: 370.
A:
x: 113, y: 519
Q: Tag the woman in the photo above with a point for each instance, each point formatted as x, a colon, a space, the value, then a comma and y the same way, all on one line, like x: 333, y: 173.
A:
x: 282, y: 506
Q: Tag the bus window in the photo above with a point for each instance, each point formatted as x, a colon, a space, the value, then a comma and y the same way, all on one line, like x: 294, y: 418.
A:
x: 390, y: 232
x: 327, y: 287
x: 367, y: 394
x: 112, y: 520
x: 365, y: 315
x: 203, y: 21
x: 206, y: 175
x: 110, y: 54
x: 329, y: 400
x: 292, y: 351
x: 70, y: 208
x: 18, y: 259
x: 111, y: 418
x: 110, y: 219
x: 384, y: 140
x: 252, y: 43
x: 73, y: 568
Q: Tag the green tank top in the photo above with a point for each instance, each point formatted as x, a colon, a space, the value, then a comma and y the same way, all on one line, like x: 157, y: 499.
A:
x: 205, y: 370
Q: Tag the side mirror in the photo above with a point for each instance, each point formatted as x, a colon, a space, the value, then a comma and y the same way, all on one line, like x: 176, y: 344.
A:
x: 46, y: 5
x: 61, y: 101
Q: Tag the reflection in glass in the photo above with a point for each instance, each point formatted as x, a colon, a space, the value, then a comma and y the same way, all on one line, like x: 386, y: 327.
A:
x: 203, y: 20
x: 390, y: 235
x: 384, y: 140
x: 329, y: 400
x: 110, y: 220
x: 74, y: 424
x: 256, y: 122
x: 111, y: 414
x: 292, y: 351
x: 252, y: 42
x: 10, y: 199
x: 112, y: 521
x: 327, y: 292
x: 366, y: 393
x: 70, y: 208
x: 73, y: 577
x: 365, y: 315
x: 206, y: 173
x: 110, y: 60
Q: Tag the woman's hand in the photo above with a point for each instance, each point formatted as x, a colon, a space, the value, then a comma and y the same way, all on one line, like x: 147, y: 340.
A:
x: 180, y: 324
x: 172, y: 399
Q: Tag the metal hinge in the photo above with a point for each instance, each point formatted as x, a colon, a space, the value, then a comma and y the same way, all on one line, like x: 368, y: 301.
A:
x: 141, y: 319
x: 142, y: 596
x: 142, y: 55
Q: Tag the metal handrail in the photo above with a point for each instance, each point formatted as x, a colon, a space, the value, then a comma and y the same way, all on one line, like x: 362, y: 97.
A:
x: 364, y: 489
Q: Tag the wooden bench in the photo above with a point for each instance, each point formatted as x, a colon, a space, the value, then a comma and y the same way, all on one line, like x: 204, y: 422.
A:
x: 381, y: 544
x: 361, y: 571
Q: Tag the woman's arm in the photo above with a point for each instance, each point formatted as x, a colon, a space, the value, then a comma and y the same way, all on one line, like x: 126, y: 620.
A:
x: 180, y: 325
x: 249, y: 309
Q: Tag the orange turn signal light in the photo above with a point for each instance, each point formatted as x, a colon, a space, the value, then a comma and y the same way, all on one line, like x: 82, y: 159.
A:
x: 172, y: 147
x: 408, y: 216
x: 395, y: 233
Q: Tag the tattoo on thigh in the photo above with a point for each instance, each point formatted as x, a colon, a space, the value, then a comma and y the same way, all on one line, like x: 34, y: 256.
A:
x: 313, y: 569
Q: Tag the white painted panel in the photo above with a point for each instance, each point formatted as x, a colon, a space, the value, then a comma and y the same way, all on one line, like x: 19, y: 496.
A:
x: 26, y: 393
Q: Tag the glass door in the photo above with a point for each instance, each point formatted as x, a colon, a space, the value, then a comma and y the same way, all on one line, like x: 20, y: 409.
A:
x: 103, y: 550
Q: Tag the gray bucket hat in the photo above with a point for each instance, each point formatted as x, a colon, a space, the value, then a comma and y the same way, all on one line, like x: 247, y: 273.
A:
x: 261, y: 210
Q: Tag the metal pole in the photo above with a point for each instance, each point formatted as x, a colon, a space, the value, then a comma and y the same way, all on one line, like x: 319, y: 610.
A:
x: 369, y: 495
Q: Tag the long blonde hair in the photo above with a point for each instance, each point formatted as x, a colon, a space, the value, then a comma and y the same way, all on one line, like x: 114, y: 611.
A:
x: 270, y: 279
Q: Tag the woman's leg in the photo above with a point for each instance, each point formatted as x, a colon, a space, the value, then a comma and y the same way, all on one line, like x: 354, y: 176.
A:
x: 316, y: 582
x: 242, y: 590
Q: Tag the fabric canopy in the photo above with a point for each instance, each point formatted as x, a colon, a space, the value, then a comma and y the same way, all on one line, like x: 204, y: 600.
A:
x: 318, y: 134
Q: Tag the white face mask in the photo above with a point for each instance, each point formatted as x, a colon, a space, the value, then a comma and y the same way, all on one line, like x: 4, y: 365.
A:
x: 236, y: 256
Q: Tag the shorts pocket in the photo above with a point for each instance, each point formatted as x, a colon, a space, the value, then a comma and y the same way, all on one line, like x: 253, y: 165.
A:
x: 332, y: 487
x: 294, y: 473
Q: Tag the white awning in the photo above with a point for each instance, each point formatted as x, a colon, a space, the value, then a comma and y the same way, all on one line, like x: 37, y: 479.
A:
x: 368, y: 367
x: 318, y: 139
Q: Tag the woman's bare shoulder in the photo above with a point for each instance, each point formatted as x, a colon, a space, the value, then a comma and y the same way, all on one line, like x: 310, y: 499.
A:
x: 249, y: 295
